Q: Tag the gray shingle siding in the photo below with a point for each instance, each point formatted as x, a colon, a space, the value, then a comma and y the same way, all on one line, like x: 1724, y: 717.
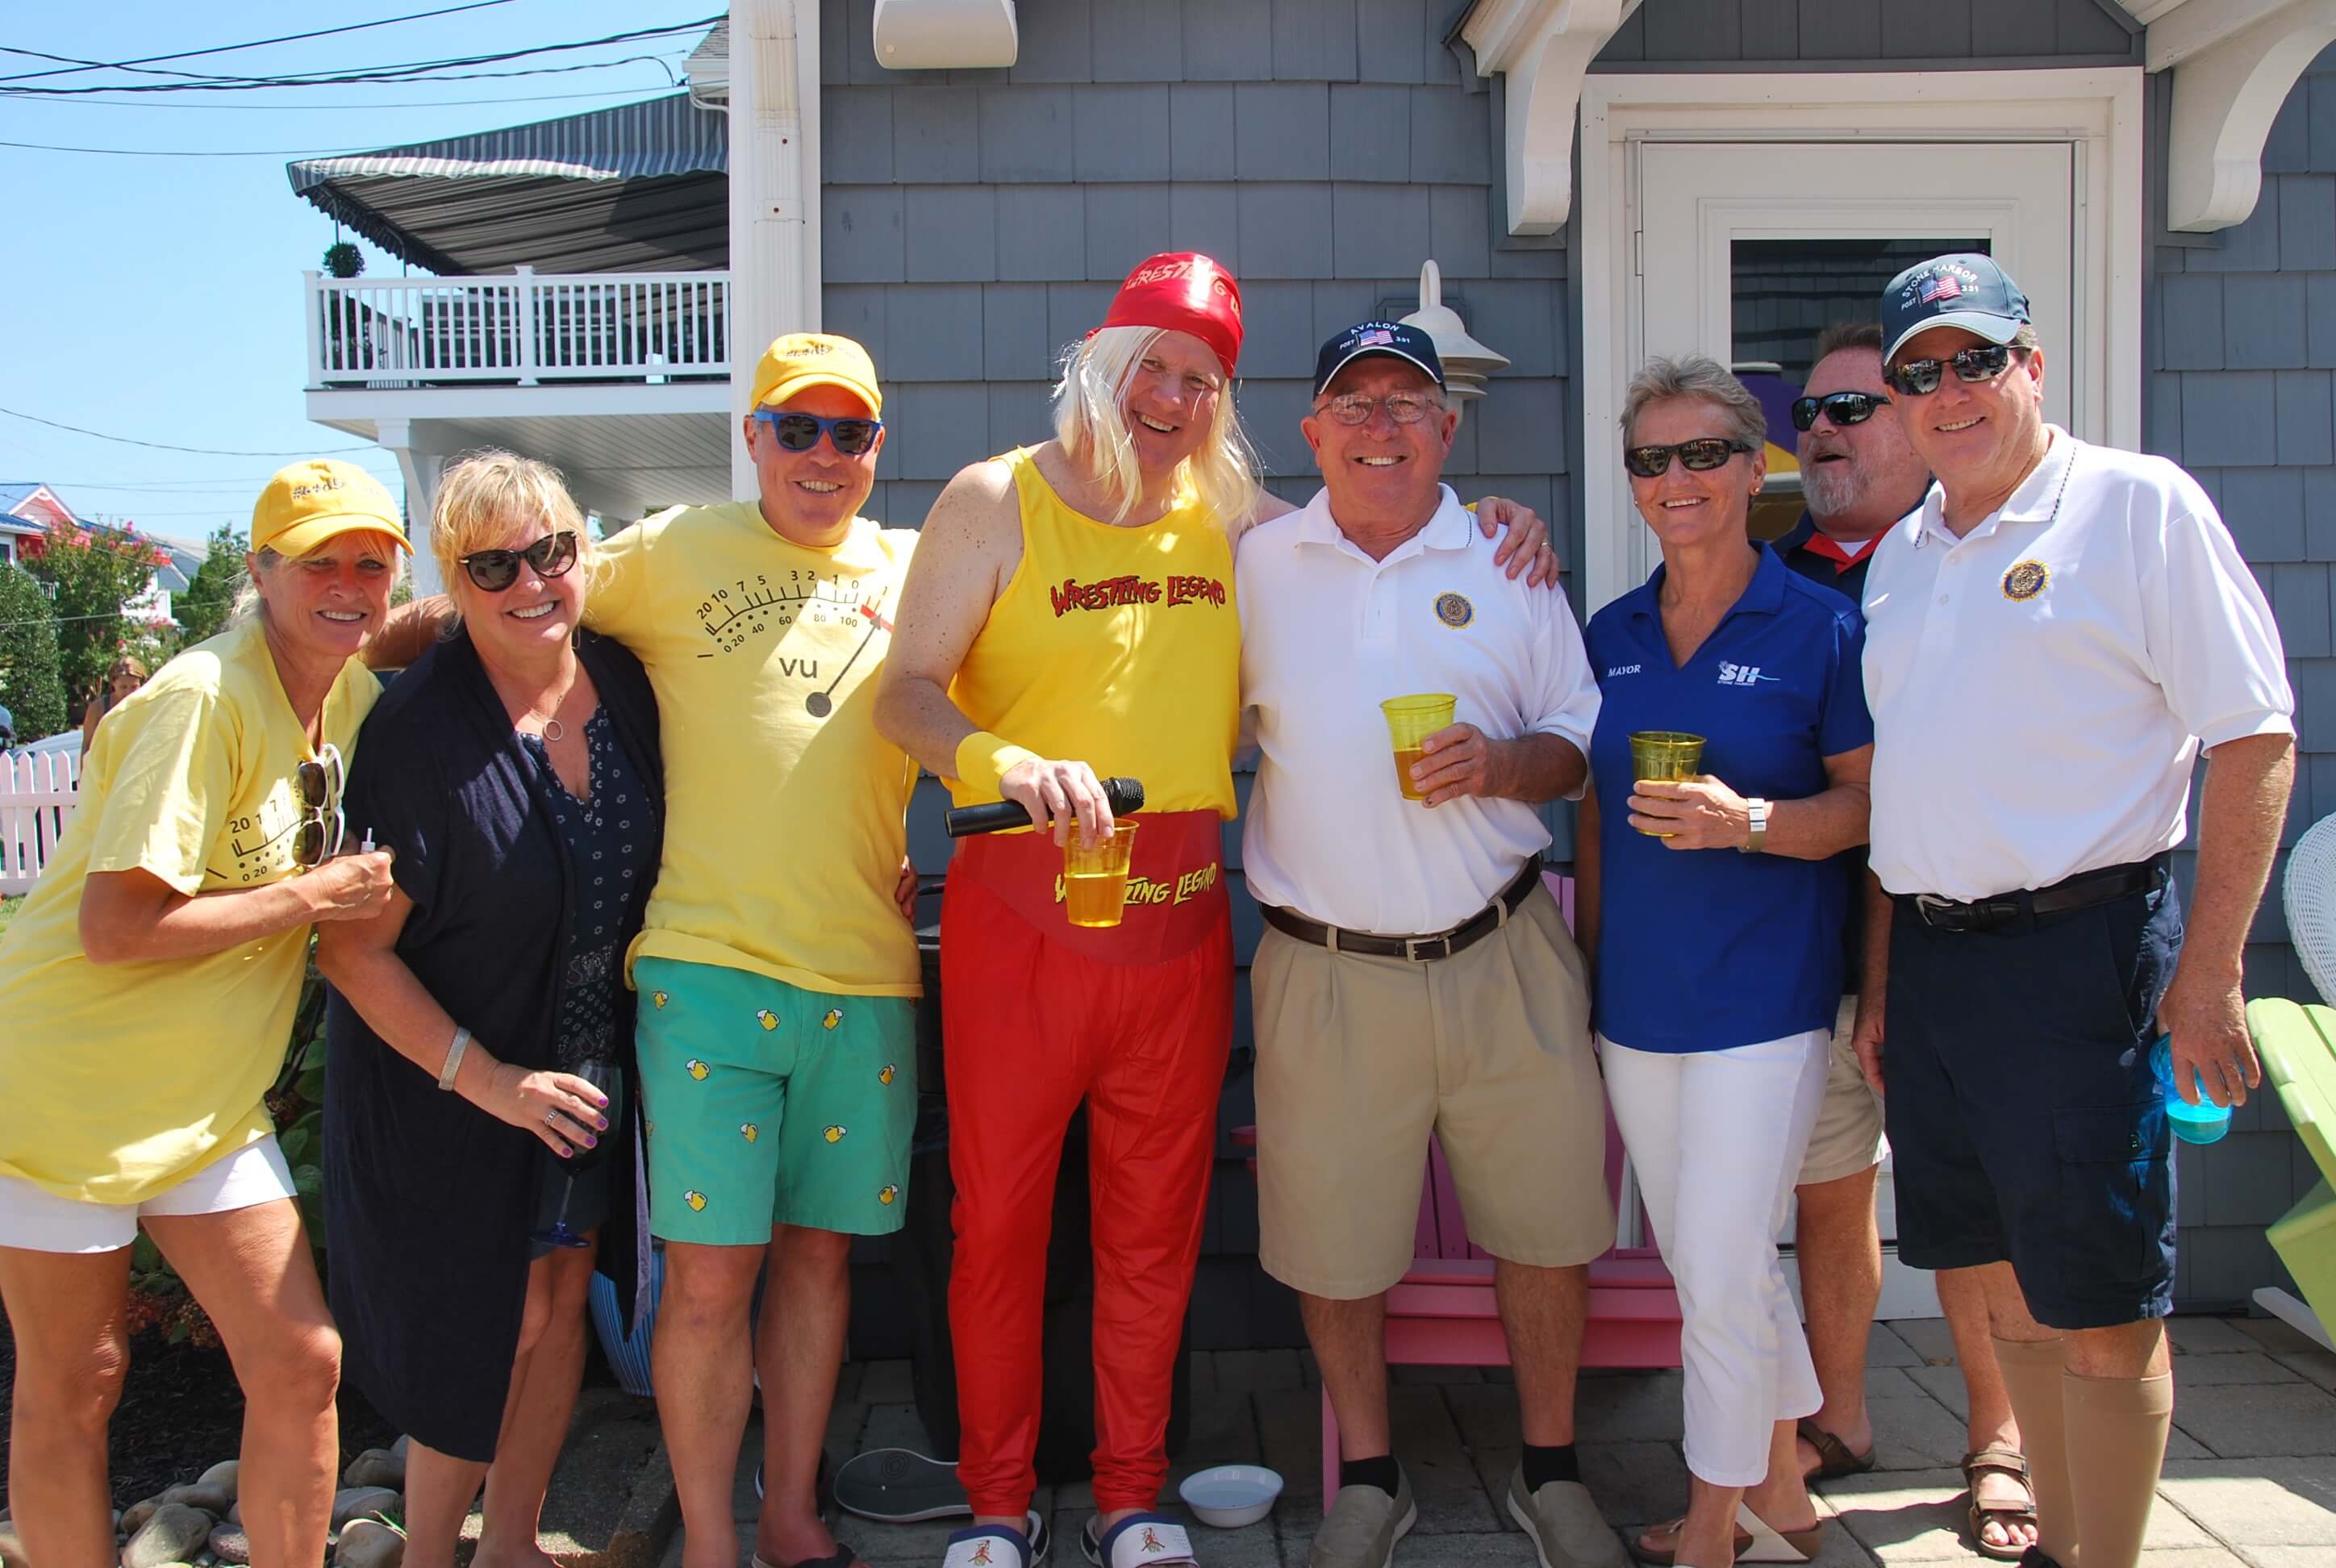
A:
x: 1674, y: 34
x: 2240, y: 393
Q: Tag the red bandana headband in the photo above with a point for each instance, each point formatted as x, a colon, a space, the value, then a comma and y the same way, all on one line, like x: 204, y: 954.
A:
x: 1182, y: 291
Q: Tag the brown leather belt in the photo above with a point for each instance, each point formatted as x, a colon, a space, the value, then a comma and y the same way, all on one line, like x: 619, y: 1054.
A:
x: 1419, y: 949
x: 2085, y: 890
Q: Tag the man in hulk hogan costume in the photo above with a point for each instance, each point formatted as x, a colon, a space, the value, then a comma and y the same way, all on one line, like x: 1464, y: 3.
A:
x: 1070, y: 614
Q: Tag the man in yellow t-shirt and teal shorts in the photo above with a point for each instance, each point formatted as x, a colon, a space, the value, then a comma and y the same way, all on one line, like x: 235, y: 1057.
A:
x: 777, y: 976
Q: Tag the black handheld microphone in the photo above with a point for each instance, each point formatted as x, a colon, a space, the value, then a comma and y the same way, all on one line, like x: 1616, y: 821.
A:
x: 1123, y: 794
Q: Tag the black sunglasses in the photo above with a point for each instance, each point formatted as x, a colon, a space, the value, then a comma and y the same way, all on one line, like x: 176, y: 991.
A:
x: 493, y: 571
x: 1705, y: 452
x: 1921, y: 377
x: 1841, y: 407
x: 322, y: 825
x: 801, y: 432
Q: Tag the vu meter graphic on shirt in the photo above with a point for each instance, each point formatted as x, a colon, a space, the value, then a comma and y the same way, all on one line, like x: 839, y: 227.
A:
x: 746, y: 608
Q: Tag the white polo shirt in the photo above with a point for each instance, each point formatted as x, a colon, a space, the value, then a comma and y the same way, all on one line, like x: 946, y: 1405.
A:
x: 1327, y: 634
x: 2042, y: 686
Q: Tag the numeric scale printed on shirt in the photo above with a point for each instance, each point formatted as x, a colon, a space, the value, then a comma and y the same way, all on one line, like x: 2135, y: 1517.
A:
x: 742, y: 610
x: 259, y: 840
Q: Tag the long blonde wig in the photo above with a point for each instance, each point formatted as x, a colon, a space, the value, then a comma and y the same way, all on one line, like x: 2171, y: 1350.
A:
x: 1089, y: 422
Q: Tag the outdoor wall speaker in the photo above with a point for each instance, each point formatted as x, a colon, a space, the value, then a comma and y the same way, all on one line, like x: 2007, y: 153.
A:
x: 945, y: 34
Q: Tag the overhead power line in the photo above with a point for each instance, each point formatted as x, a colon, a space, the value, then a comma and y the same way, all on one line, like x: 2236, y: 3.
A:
x: 418, y: 69
x: 165, y: 446
x: 308, y: 108
x: 229, y: 48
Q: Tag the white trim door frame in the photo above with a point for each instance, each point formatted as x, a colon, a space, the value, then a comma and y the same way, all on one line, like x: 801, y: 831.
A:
x: 2096, y: 114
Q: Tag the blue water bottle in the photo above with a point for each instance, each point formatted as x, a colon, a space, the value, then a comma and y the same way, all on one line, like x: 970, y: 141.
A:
x: 2203, y: 1123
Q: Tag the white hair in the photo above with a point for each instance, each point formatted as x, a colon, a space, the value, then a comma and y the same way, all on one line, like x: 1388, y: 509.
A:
x: 1092, y: 428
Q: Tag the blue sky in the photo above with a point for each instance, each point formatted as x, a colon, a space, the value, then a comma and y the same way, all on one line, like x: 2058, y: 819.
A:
x: 159, y: 298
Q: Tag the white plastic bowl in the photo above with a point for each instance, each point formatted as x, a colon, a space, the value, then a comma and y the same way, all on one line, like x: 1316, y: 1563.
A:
x: 1230, y: 1495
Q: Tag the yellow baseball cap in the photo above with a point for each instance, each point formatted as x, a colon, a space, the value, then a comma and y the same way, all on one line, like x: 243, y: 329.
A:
x: 803, y: 360
x: 309, y: 502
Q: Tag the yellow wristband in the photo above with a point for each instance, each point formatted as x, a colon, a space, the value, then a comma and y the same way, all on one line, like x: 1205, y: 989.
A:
x: 983, y: 758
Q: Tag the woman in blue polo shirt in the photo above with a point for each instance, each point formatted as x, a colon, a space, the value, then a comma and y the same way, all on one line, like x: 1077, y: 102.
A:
x: 1719, y: 968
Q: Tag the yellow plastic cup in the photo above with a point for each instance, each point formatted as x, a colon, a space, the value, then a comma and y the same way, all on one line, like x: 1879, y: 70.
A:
x: 1094, y: 876
x: 1410, y: 720
x: 1665, y: 755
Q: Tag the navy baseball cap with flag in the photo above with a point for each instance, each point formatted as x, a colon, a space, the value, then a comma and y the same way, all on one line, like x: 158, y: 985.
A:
x: 1368, y: 337
x: 1966, y: 289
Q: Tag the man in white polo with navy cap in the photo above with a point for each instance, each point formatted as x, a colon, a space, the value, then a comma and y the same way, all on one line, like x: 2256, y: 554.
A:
x: 1416, y: 977
x: 2052, y: 640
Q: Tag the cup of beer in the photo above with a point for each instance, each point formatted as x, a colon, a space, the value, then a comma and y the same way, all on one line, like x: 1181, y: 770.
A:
x: 1410, y: 720
x: 1665, y: 755
x: 1094, y: 876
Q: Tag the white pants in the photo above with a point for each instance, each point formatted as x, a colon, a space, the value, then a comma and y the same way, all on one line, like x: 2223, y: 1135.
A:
x: 1715, y: 1140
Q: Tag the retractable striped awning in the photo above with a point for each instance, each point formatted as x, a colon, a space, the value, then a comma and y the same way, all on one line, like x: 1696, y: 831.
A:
x: 640, y: 188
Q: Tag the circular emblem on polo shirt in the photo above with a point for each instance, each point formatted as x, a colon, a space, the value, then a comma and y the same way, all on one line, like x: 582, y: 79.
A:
x: 2026, y: 580
x: 1454, y: 609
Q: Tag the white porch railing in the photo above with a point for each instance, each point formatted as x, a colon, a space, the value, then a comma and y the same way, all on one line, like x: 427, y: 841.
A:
x: 523, y: 328
x: 36, y: 800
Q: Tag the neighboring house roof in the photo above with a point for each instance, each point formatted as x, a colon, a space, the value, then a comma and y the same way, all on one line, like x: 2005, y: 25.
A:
x: 17, y: 525
x: 644, y: 187
x: 16, y: 495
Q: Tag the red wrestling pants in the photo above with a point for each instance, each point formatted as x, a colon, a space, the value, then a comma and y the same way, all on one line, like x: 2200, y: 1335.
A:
x: 1037, y: 1014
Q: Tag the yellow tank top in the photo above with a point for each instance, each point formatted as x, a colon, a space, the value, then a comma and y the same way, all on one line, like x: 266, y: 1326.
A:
x: 1117, y: 646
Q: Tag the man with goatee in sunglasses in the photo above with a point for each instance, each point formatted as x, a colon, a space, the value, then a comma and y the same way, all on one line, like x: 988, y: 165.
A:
x: 1859, y: 475
x: 2052, y: 638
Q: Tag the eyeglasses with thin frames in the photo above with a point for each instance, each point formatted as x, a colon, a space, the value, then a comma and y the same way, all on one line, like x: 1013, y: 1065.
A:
x: 1701, y: 454
x: 1402, y: 407
x: 321, y: 824
x: 1921, y: 377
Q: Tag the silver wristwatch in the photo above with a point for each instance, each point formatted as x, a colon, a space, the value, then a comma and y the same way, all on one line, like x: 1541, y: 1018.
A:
x: 1758, y: 839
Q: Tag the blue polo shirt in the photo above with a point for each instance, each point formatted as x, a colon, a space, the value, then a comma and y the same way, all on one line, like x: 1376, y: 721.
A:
x: 1707, y: 950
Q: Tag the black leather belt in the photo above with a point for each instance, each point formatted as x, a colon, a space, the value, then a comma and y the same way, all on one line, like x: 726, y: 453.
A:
x: 2085, y: 890
x: 1419, y: 949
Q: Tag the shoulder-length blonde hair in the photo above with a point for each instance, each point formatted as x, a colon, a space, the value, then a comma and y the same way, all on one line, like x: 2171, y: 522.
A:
x: 1092, y: 428
x: 479, y: 499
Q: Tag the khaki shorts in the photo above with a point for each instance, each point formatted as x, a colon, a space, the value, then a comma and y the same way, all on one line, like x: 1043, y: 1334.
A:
x: 1848, y: 1135
x: 1358, y: 1060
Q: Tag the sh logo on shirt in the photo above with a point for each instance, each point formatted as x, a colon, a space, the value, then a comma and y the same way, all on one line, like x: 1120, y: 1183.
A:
x: 1742, y: 674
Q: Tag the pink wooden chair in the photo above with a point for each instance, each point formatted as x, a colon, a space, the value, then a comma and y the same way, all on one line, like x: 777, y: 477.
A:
x: 1441, y: 1312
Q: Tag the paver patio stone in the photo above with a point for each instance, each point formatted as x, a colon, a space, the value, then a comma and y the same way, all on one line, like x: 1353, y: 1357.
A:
x: 1887, y: 1348
x: 1618, y: 1407
x: 2247, y: 1419
x: 2206, y: 1337
x: 1443, y: 1477
x: 2277, y: 1502
x: 1927, y: 1338
x: 2251, y: 1366
x: 1636, y: 1484
x: 885, y: 1383
x: 1257, y: 1369
x: 1906, y: 1517
x: 1915, y: 1433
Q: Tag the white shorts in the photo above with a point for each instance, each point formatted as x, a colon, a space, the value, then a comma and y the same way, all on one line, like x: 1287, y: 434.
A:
x: 37, y: 1219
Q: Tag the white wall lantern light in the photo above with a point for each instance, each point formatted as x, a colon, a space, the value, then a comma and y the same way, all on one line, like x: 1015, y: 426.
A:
x: 945, y: 34
x: 1466, y: 362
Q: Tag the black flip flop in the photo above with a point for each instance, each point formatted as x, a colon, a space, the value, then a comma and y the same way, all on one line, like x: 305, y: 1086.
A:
x: 901, y: 1486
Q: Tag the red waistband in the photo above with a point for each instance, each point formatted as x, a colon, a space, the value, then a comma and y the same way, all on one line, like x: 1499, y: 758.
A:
x: 1176, y: 887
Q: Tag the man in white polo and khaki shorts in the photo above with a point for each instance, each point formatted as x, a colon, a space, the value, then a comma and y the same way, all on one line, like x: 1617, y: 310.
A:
x: 1415, y: 977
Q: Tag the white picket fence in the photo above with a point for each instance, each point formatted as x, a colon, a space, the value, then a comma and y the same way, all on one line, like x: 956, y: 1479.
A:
x: 36, y: 799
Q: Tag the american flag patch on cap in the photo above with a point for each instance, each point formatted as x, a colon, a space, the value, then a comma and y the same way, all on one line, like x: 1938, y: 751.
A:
x: 1377, y: 335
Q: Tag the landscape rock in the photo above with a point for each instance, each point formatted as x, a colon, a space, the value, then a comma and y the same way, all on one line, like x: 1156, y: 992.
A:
x: 369, y: 1543
x: 223, y: 1474
x: 213, y: 1500
x: 229, y: 1545
x: 133, y: 1518
x: 356, y: 1503
x: 174, y: 1534
x: 376, y: 1467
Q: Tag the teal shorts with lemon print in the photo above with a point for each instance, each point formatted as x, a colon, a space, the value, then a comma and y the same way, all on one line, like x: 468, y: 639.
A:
x: 766, y: 1104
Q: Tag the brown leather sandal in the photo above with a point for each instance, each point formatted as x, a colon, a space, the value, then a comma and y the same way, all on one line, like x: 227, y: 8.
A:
x: 1834, y: 1458
x: 1997, y: 1462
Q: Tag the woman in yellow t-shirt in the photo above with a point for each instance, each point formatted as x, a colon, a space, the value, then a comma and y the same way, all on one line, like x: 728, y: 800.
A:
x: 148, y: 983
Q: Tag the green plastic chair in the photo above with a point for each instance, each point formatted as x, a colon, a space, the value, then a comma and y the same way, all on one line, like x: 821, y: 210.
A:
x: 2298, y: 1048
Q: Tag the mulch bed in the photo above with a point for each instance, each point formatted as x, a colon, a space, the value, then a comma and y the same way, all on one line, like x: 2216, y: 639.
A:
x: 182, y: 1413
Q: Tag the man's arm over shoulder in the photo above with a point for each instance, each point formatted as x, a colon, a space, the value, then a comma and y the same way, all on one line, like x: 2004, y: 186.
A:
x: 965, y: 556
